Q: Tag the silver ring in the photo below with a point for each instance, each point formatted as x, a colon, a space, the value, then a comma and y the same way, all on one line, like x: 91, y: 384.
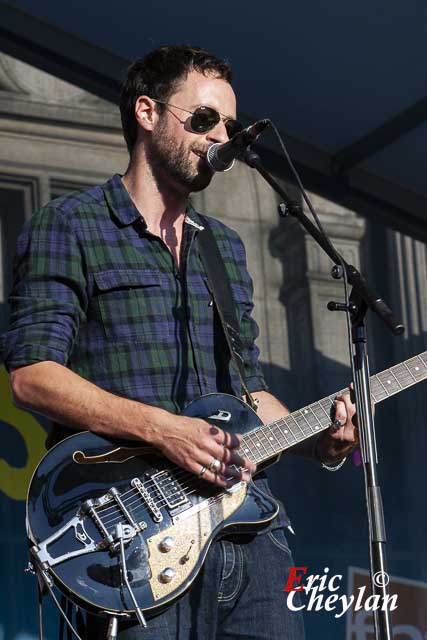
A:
x: 202, y: 472
x: 336, y: 425
x: 215, y: 465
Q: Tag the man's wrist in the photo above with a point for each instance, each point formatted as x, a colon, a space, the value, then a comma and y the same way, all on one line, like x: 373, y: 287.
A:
x: 327, y: 450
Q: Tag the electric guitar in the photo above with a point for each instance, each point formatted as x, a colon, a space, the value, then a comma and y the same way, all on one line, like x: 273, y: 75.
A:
x: 119, y: 529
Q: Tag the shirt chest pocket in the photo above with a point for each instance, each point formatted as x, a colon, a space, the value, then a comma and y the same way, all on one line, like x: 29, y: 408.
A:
x: 132, y: 304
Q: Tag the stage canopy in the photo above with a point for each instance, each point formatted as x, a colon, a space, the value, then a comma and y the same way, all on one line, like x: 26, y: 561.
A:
x: 345, y: 82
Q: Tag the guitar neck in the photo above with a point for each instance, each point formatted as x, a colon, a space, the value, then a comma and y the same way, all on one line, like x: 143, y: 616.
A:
x: 272, y: 439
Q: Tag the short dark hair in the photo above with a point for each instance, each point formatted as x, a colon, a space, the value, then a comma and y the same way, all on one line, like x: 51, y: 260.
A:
x: 159, y: 74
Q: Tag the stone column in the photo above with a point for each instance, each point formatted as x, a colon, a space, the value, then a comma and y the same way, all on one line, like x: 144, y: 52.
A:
x: 405, y: 438
x: 317, y: 337
x: 246, y: 203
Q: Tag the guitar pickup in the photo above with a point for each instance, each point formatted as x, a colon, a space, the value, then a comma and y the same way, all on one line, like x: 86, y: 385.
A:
x: 170, y: 489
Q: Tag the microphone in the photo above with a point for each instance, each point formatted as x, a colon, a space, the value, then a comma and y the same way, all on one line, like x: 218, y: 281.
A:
x: 220, y: 157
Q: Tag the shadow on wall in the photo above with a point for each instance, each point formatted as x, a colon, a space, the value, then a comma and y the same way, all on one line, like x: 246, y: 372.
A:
x: 328, y: 509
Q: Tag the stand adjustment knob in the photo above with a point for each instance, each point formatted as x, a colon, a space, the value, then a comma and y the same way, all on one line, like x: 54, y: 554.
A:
x: 167, y: 575
x: 166, y: 544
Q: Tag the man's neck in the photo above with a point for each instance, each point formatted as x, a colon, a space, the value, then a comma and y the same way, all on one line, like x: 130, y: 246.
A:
x: 161, y: 206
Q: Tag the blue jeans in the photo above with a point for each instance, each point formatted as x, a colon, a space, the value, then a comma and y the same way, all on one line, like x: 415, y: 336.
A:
x: 237, y: 595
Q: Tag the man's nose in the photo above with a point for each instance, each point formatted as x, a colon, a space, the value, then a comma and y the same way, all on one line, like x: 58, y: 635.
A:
x: 218, y: 133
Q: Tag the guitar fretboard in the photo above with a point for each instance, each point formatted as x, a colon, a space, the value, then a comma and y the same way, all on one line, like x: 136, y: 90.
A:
x: 274, y: 438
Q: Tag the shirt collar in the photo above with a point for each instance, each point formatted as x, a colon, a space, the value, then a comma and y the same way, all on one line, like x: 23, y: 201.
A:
x: 194, y: 218
x: 120, y: 201
x: 125, y: 210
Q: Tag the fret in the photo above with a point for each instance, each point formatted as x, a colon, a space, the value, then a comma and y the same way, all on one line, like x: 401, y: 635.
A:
x: 328, y: 405
x: 409, y: 371
x: 303, y: 413
x: 312, y: 419
x: 326, y: 412
x: 422, y: 357
x: 379, y: 380
x: 266, y: 444
x: 264, y: 454
x: 255, y: 446
x: 380, y: 390
x: 300, y: 431
x: 287, y: 431
x: 272, y: 437
x: 389, y: 382
x: 398, y: 383
x: 247, y: 447
x: 403, y: 373
x: 302, y: 423
x: 318, y: 413
x: 279, y: 435
x: 417, y: 367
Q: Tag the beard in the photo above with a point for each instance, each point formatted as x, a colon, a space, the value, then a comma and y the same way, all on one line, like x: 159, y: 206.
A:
x: 173, y: 161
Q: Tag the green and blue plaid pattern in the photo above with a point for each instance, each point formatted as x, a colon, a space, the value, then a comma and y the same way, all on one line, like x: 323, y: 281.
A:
x: 96, y: 292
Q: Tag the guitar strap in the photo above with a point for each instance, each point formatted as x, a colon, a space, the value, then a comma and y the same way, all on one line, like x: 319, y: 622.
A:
x: 220, y: 287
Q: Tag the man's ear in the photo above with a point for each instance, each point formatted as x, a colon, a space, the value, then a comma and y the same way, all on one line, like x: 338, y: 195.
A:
x: 146, y: 113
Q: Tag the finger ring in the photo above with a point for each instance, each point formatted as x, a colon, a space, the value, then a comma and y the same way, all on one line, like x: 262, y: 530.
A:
x: 215, y: 465
x: 336, y: 425
x: 202, y: 471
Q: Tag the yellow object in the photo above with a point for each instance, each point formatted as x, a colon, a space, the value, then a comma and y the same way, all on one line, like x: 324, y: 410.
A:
x: 14, y: 481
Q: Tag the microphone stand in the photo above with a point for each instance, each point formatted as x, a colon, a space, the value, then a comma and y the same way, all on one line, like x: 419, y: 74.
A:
x: 362, y: 297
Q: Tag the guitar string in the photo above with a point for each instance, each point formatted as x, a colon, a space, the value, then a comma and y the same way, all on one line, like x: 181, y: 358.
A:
x: 193, y: 479
x: 283, y: 445
x: 121, y: 516
x: 163, y: 502
x: 176, y: 476
x: 113, y: 508
x: 150, y: 483
x: 195, y: 482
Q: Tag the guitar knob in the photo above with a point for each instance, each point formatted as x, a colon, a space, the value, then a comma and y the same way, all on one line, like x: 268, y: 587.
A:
x: 167, y: 575
x: 166, y: 544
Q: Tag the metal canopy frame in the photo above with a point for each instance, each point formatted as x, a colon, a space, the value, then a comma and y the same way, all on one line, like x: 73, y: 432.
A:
x: 381, y: 137
x: 60, y: 54
x: 337, y: 177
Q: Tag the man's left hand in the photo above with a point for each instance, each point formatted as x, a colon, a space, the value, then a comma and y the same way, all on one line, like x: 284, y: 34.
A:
x: 335, y: 443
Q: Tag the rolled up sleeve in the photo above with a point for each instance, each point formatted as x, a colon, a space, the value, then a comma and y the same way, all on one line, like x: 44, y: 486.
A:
x: 48, y: 300
x: 249, y: 332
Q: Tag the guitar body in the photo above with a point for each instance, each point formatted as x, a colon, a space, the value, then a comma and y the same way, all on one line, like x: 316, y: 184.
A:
x: 87, y: 487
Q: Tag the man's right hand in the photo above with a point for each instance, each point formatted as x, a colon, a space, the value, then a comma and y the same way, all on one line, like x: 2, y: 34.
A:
x: 194, y: 444
x: 191, y: 443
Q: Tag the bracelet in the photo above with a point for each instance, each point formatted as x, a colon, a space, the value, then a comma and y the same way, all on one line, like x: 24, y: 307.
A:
x: 336, y: 467
x: 328, y: 467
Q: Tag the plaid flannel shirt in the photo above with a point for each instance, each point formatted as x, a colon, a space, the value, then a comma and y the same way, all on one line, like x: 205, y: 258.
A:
x: 95, y: 291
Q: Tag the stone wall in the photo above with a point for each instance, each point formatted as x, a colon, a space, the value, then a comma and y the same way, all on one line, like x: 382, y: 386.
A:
x: 55, y: 137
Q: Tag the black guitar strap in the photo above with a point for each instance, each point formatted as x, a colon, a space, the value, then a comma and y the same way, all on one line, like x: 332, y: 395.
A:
x: 222, y: 295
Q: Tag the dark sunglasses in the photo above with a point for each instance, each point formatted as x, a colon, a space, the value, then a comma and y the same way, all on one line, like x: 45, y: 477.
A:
x: 204, y: 119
